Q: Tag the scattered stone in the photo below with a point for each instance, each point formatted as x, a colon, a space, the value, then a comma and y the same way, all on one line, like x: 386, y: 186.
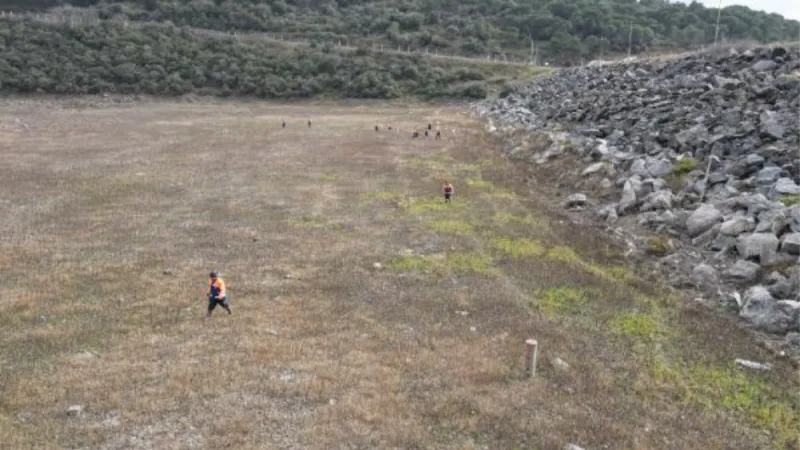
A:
x: 576, y: 200
x: 596, y: 168
x: 287, y: 276
x: 572, y: 447
x: 377, y: 266
x: 786, y: 186
x: 560, y: 364
x: 75, y: 410
x: 753, y: 365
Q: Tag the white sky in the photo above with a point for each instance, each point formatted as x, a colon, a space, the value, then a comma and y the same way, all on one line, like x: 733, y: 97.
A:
x: 787, y: 8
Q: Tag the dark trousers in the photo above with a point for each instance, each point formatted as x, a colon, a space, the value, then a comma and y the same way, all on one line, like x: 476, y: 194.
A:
x: 447, y: 198
x: 213, y: 302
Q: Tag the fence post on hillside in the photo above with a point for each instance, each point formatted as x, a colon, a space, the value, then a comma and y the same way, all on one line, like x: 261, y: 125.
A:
x: 531, y: 349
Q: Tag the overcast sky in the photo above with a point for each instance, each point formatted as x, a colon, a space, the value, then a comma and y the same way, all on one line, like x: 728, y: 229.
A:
x: 787, y: 8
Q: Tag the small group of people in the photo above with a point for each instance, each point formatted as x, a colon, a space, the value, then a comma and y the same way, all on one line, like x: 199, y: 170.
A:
x: 283, y: 123
x: 427, y: 131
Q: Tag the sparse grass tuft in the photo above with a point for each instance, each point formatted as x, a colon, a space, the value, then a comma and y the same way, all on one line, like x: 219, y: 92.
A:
x: 368, y: 197
x: 564, y: 254
x: 684, y: 166
x: 639, y: 326
x: 554, y: 301
x: 745, y: 394
x: 430, y: 204
x: 451, y: 227
x: 465, y: 262
x: 411, y: 263
x: 518, y: 248
x: 478, y: 183
x: 538, y: 223
x: 790, y: 200
x: 330, y: 177
x: 618, y: 273
x: 658, y: 245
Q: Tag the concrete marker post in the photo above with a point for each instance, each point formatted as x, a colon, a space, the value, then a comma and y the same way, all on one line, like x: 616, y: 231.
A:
x: 531, y: 349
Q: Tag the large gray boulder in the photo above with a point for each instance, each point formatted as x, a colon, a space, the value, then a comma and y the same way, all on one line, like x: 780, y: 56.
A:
x: 659, y: 200
x: 793, y: 219
x: 767, y: 314
x: 768, y: 175
x: 786, y: 186
x: 774, y: 221
x: 790, y: 243
x: 737, y: 225
x: 702, y: 219
x: 761, y: 246
x: 743, y: 272
x: 704, y: 275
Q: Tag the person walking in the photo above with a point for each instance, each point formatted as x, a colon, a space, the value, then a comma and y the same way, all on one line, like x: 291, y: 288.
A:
x: 447, y: 190
x: 217, y: 295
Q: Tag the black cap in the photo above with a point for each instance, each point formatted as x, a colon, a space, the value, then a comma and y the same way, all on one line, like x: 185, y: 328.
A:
x: 213, y: 275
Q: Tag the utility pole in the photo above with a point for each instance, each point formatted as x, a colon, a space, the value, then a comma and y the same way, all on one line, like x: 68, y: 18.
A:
x: 630, y: 38
x: 719, y: 14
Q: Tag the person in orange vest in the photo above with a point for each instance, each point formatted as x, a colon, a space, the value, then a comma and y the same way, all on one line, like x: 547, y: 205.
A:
x: 447, y: 190
x: 217, y: 295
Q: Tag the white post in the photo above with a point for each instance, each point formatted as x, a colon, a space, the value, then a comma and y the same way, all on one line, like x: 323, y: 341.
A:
x: 531, y: 349
x: 719, y: 13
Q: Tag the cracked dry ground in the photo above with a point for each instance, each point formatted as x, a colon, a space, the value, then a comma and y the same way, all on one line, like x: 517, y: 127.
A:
x: 113, y: 215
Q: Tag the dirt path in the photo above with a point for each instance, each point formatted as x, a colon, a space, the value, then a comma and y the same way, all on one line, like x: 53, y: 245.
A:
x: 112, y: 217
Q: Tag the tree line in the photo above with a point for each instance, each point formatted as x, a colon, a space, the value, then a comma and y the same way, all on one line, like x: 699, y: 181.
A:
x: 560, y: 31
x: 161, y: 59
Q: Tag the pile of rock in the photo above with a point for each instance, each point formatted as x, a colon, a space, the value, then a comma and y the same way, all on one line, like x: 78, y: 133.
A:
x: 704, y: 149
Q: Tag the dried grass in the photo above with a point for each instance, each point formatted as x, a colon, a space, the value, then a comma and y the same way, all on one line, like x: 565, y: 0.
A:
x: 112, y: 217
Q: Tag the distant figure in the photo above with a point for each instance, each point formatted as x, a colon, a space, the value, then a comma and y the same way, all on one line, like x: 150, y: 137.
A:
x: 283, y: 124
x: 389, y: 128
x: 309, y: 123
x: 426, y: 133
x: 415, y: 134
x: 217, y: 295
x: 429, y: 127
x: 447, y: 190
x: 376, y: 128
x: 438, y: 134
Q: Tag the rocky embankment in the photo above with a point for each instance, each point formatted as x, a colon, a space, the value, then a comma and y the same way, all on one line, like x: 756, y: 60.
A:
x: 698, y: 158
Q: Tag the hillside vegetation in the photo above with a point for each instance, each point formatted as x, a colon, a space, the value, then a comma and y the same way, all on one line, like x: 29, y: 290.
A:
x: 160, y: 59
x: 563, y: 31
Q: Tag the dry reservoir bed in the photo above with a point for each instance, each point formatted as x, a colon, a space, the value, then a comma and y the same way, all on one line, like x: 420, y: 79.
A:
x: 112, y: 216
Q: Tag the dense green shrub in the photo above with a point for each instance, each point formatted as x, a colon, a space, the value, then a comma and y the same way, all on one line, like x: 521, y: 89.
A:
x: 158, y: 59
x: 564, y: 30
